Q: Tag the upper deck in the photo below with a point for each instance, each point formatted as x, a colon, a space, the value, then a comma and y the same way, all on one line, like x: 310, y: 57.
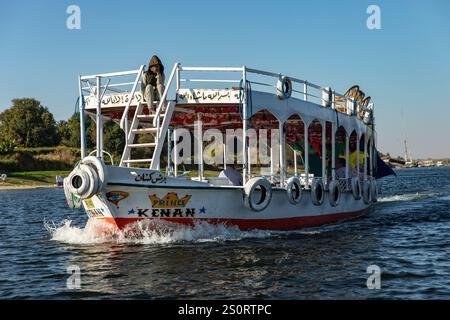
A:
x: 195, y: 88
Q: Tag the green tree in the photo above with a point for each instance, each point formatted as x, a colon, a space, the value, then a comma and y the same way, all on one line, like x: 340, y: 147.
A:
x: 69, y: 132
x: 113, y: 136
x: 29, y: 124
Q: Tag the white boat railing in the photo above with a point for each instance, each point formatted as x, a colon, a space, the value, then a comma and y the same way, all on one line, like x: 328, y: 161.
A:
x: 302, y: 89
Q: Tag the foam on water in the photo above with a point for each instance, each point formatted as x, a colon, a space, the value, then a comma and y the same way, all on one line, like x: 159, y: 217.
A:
x: 147, y: 232
x: 401, y: 197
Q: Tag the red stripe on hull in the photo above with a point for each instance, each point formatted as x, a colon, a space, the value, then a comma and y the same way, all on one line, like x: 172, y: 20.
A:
x: 250, y: 224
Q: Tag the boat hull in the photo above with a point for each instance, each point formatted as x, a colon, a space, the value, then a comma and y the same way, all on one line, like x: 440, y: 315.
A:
x: 123, y: 204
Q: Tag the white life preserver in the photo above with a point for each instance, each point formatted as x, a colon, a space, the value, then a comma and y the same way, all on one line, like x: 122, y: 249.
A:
x: 374, y: 189
x: 356, y: 188
x: 294, y: 190
x: 100, y: 167
x: 78, y: 181
x: 317, y: 192
x: 284, y: 88
x: 366, y: 192
x: 88, y: 179
x: 251, y: 187
x: 334, y: 193
x: 72, y: 200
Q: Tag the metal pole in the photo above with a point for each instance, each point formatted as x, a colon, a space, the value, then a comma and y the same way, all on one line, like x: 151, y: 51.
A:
x: 371, y: 156
x: 175, y: 151
x: 305, y: 90
x: 200, y: 148
x: 178, y: 77
x: 358, y: 138
x: 295, y: 163
x: 347, y: 153
x: 169, y: 150
x: 333, y: 151
x: 365, y: 156
x: 99, y: 121
x: 82, y: 123
x: 224, y: 156
x: 306, y: 143
x: 126, y: 137
x: 272, y: 164
x: 282, y: 154
x: 244, y: 127
x: 324, y: 152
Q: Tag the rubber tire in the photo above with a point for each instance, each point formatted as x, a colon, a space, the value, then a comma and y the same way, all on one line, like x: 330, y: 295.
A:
x: 250, y: 187
x: 356, y: 188
x: 374, y: 190
x: 332, y: 188
x: 294, y: 184
x: 316, y: 183
x: 366, y: 192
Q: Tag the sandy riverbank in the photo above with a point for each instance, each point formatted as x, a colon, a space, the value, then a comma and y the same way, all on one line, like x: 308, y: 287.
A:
x: 24, y: 187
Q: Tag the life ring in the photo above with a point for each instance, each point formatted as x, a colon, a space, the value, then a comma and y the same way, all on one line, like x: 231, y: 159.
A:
x: 251, y: 187
x: 101, y: 169
x: 374, y: 190
x: 317, y: 192
x: 284, y: 88
x: 334, y: 193
x: 88, y: 178
x: 356, y: 188
x: 83, y: 182
x: 366, y: 192
x: 72, y: 200
x: 294, y: 190
x: 78, y: 182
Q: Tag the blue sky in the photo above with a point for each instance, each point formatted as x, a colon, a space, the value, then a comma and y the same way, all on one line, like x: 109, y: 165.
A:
x: 404, y: 66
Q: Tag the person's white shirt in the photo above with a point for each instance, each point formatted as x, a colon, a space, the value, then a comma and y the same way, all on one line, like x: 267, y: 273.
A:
x: 232, y: 175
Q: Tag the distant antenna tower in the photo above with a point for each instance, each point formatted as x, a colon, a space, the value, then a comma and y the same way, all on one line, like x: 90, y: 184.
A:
x: 408, y: 157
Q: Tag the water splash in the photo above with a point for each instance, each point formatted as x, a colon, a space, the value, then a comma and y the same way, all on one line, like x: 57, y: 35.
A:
x: 401, y: 197
x: 414, y: 197
x: 147, y: 232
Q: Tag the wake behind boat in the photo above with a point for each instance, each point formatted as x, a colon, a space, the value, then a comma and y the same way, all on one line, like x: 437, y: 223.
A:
x: 236, y: 146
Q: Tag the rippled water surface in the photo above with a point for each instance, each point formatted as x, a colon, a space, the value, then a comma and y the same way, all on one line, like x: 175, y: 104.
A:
x: 406, y: 234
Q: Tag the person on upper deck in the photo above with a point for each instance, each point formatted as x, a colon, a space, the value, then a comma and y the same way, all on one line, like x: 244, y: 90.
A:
x: 152, y: 82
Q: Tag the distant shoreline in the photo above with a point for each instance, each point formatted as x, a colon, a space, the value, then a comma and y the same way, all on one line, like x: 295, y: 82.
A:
x: 25, y: 187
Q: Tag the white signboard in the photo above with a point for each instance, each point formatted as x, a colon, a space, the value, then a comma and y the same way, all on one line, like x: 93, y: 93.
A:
x: 113, y: 100
x: 207, y: 96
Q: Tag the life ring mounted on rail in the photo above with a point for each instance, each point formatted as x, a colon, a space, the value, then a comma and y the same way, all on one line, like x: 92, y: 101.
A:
x: 252, y: 188
x: 284, y: 88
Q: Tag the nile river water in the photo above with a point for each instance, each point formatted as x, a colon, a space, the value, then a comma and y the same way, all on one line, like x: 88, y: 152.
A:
x: 406, y: 234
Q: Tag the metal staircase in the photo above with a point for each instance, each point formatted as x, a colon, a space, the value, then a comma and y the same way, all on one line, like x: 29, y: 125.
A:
x: 141, y: 125
x: 155, y: 124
